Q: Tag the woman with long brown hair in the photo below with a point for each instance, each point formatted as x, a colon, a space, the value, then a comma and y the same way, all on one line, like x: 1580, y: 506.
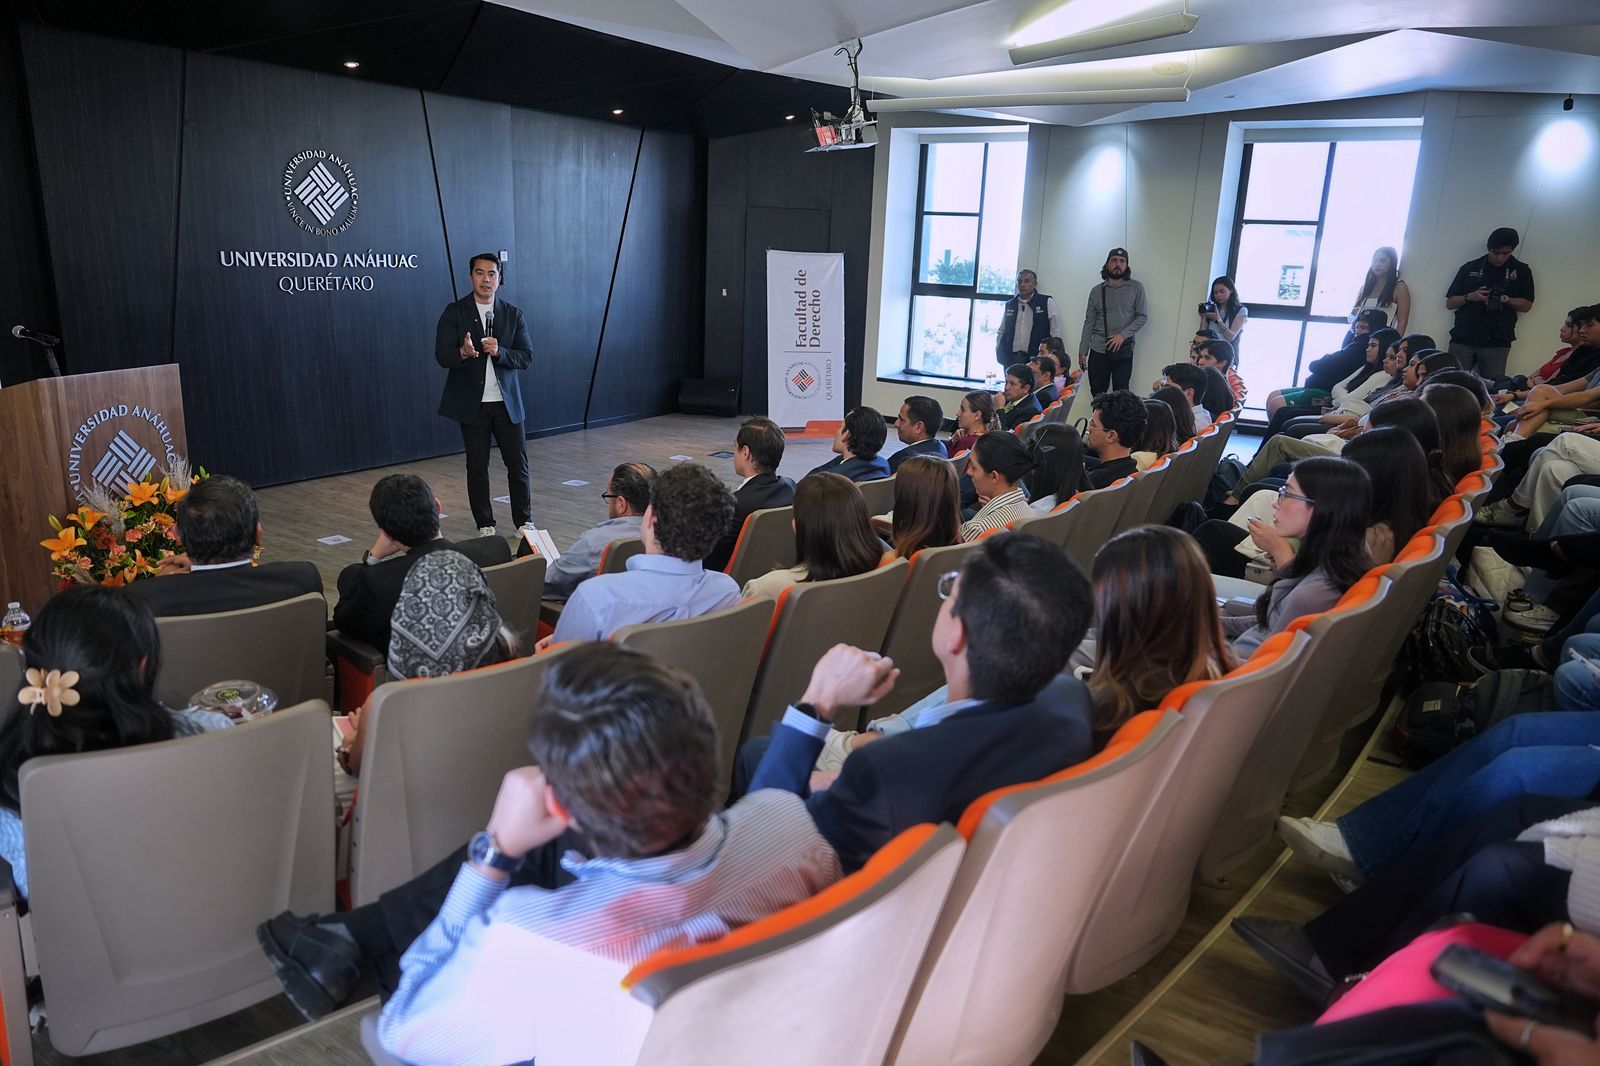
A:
x: 1157, y: 625
x: 833, y: 536
x: 927, y: 506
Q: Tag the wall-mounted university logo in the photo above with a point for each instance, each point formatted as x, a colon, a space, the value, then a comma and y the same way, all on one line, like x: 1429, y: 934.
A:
x: 801, y: 380
x: 319, y: 189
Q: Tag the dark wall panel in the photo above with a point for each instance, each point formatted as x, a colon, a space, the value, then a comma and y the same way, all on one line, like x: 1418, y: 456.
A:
x: 106, y: 116
x: 793, y: 230
x: 724, y: 288
x: 652, y: 337
x: 26, y: 293
x: 280, y: 385
x: 472, y: 154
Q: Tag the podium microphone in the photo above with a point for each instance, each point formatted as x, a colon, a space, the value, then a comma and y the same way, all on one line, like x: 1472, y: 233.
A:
x: 45, y: 341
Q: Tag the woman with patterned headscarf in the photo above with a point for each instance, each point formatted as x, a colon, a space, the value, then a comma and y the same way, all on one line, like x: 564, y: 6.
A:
x: 444, y: 622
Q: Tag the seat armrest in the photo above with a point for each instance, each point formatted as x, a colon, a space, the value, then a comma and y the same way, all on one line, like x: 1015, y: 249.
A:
x: 357, y: 653
x: 358, y: 668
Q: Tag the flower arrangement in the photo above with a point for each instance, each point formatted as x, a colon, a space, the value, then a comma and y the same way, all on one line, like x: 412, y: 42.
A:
x: 112, y: 542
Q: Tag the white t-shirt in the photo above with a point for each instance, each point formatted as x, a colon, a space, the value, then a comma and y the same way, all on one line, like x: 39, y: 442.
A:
x: 491, y: 381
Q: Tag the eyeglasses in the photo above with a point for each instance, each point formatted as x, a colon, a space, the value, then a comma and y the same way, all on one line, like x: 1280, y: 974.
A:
x: 947, y: 584
x: 611, y: 496
x: 1285, y: 494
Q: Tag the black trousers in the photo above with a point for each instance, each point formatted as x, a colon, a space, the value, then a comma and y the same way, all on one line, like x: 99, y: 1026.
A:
x: 1285, y: 414
x: 385, y: 929
x: 1110, y: 370
x: 1217, y: 540
x: 1480, y: 869
x: 1517, y: 456
x: 494, y: 424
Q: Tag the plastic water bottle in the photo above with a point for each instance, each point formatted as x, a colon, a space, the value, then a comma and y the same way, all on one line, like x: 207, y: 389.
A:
x: 15, y: 623
x: 991, y: 380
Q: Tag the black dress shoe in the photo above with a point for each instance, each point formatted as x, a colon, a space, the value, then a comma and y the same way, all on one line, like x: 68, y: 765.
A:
x: 1524, y: 551
x: 1140, y: 1055
x: 317, y: 967
x: 1287, y: 949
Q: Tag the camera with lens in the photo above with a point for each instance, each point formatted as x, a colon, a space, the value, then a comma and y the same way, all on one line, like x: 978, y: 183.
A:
x: 1492, y: 301
x: 1209, y: 307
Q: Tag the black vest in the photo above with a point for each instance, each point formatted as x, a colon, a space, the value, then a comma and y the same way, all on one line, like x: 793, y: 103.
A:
x: 1008, y: 328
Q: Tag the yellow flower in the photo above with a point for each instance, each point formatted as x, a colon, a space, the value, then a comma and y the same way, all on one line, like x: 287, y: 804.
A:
x: 62, y: 546
x: 172, y: 494
x: 86, y: 517
x: 141, y: 492
x: 162, y: 520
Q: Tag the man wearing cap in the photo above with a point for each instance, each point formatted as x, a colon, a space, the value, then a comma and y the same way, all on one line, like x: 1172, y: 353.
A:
x: 1116, y: 311
x: 1487, y: 295
x: 1030, y: 319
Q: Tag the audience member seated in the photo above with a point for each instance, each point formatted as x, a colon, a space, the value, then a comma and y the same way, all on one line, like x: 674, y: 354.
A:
x: 1182, y: 413
x: 1326, y: 507
x: 1350, y: 396
x: 92, y: 657
x: 832, y: 533
x: 1020, y: 404
x: 407, y: 515
x: 918, y: 426
x: 611, y: 843
x: 1191, y: 381
x: 1325, y: 371
x: 1056, y: 348
x: 857, y: 443
x: 627, y: 495
x: 1218, y: 398
x: 1009, y: 619
x: 1566, y: 456
x: 444, y: 622
x: 220, y: 528
x: 1160, y: 432
x: 689, y: 510
x: 1564, y: 543
x: 1057, y: 453
x: 1116, y: 426
x: 975, y: 417
x: 998, y: 463
x: 927, y: 507
x: 1045, y: 368
x: 1218, y: 354
x: 1460, y: 418
x: 757, y: 451
x: 1563, y: 385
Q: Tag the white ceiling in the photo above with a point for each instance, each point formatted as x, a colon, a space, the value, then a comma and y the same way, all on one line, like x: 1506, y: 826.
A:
x: 1243, y: 54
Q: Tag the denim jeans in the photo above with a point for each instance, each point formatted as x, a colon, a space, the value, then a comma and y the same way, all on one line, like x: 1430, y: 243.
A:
x: 1551, y: 754
x: 1577, y: 685
x: 1577, y: 512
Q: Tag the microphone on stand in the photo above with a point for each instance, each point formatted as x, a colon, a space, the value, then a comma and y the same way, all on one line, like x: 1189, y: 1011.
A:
x: 45, y: 341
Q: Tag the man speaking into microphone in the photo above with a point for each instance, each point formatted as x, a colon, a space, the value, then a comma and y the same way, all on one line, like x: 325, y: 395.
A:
x: 483, y: 342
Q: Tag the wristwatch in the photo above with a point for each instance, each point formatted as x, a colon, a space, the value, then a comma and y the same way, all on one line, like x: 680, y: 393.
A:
x: 482, y: 850
x: 811, y: 709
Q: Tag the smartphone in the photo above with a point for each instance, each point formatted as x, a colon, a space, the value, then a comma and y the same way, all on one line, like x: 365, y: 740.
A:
x: 1485, y: 981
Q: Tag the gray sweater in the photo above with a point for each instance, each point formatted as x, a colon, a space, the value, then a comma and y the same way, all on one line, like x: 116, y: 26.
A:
x: 1126, y: 309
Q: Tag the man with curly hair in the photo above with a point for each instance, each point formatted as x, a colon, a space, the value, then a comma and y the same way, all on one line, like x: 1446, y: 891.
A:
x: 690, y: 510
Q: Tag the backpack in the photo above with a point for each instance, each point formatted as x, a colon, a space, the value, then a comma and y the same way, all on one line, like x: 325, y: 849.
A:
x: 1441, y: 716
x: 1229, y: 473
x: 1451, y: 623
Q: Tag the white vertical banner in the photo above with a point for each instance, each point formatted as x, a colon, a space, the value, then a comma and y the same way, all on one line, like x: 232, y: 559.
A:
x: 805, y: 337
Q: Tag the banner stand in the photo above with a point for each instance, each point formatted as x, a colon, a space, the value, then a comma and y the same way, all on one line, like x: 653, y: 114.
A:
x: 805, y: 337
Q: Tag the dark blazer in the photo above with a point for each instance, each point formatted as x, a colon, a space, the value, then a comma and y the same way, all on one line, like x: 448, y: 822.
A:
x: 856, y: 468
x: 368, y: 593
x: 1025, y: 409
x: 463, y: 387
x: 1102, y: 474
x: 930, y: 446
x: 932, y: 774
x: 1045, y: 397
x: 757, y: 494
x: 233, y: 589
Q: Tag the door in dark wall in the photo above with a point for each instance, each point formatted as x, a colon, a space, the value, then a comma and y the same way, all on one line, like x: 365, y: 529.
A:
x: 788, y: 229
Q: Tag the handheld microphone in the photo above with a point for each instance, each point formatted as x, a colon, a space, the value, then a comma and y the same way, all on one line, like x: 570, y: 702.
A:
x: 488, y: 324
x: 26, y: 334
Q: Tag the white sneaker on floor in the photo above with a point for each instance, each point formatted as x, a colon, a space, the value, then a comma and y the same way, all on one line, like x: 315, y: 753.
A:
x: 1535, y: 619
x: 1346, y: 885
x: 1319, y: 843
x: 486, y: 531
x: 1502, y: 514
x: 528, y: 528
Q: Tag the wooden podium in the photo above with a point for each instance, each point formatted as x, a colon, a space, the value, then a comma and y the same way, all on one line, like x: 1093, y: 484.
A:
x: 60, y: 436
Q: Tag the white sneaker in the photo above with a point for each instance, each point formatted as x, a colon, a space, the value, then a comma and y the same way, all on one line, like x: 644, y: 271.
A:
x: 1345, y: 884
x: 1502, y: 514
x: 1319, y: 843
x: 486, y: 531
x: 1535, y: 619
x: 528, y: 528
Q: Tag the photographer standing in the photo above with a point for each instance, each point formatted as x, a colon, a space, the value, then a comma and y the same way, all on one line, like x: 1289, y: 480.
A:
x: 1487, y: 295
x: 1116, y: 312
x: 1223, y: 315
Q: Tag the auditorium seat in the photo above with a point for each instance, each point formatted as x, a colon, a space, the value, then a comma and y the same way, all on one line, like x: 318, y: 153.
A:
x: 909, y: 637
x: 150, y: 868
x: 1093, y: 518
x: 990, y: 989
x: 1198, y: 479
x: 812, y: 617
x: 879, y: 495
x: 1178, y: 476
x: 433, y: 756
x: 10, y: 678
x: 855, y: 946
x: 1137, y: 511
x: 279, y: 645
x: 766, y: 543
x: 614, y: 556
x: 517, y: 587
x: 722, y: 651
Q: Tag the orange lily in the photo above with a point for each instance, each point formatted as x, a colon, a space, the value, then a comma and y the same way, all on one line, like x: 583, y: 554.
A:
x: 172, y: 494
x: 86, y: 517
x: 114, y: 580
x: 62, y: 546
x: 141, y: 492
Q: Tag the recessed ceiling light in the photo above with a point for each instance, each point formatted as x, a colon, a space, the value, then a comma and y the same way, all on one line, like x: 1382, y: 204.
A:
x: 351, y: 64
x: 788, y: 118
x: 616, y: 110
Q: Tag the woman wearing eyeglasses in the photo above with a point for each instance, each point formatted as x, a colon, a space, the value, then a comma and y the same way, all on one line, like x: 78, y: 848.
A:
x: 1326, y: 506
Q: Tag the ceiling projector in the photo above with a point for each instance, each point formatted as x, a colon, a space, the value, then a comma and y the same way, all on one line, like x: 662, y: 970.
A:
x: 854, y: 129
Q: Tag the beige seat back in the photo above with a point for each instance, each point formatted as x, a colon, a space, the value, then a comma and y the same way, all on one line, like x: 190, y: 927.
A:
x: 1174, y: 480
x: 150, y: 868
x: 1051, y: 526
x: 1093, y: 518
x: 1143, y: 896
x: 280, y: 645
x: 434, y: 753
x: 1197, y: 478
x: 990, y: 990
x: 1142, y: 496
x: 614, y: 557
x: 878, y: 495
x: 766, y: 543
x: 909, y: 638
x: 1415, y: 573
x: 722, y: 651
x: 811, y: 618
x: 518, y: 587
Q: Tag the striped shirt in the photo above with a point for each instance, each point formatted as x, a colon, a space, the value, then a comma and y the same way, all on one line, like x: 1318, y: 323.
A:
x: 1000, y: 511
x: 760, y: 855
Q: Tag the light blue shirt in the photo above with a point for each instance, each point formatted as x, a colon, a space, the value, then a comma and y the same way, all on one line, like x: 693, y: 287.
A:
x: 185, y: 723
x: 656, y: 588
x: 930, y: 710
x: 582, y: 559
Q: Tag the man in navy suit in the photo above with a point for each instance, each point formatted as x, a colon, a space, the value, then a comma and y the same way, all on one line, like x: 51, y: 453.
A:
x: 477, y: 332
x: 856, y: 446
x: 757, y: 451
x: 1010, y: 618
x: 918, y: 429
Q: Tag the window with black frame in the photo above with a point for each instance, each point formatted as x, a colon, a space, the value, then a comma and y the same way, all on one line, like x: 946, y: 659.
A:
x: 1309, y: 218
x: 969, y: 228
